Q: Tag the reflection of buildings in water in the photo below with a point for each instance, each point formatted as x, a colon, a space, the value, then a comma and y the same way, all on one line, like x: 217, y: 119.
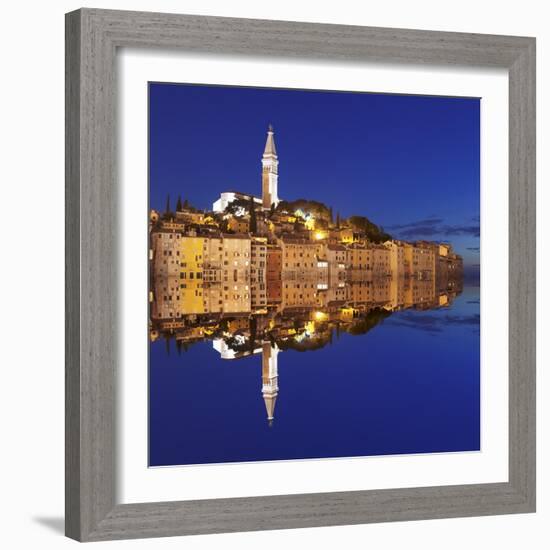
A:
x: 241, y: 274
x: 302, y: 329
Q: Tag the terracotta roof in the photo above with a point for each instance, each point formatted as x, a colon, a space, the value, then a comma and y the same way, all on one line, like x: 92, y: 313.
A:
x: 235, y: 236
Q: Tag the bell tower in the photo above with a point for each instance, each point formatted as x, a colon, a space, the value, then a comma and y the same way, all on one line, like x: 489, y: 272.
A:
x: 270, y: 377
x: 270, y: 165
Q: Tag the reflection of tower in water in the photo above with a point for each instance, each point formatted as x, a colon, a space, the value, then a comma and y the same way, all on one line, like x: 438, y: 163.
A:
x: 270, y: 377
x: 270, y: 386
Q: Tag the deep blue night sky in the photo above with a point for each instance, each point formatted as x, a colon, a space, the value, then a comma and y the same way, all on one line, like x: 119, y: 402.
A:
x: 408, y: 163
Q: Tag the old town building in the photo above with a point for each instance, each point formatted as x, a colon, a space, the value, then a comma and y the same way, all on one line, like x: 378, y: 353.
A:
x: 273, y: 274
x: 256, y: 257
x: 258, y: 273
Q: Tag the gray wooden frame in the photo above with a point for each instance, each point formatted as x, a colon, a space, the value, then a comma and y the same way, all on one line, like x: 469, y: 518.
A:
x: 92, y: 38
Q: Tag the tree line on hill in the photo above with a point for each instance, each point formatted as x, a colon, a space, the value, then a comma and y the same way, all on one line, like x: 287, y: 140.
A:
x: 323, y: 215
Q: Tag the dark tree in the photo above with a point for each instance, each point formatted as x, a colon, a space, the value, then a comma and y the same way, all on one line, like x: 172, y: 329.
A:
x: 224, y: 225
x: 178, y: 204
x: 185, y: 204
x: 253, y: 325
x: 338, y: 220
x: 253, y: 221
x: 370, y: 230
x: 235, y: 206
x: 167, y: 204
x: 330, y: 214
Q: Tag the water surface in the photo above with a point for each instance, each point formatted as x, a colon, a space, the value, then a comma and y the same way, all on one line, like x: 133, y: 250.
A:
x: 395, y: 383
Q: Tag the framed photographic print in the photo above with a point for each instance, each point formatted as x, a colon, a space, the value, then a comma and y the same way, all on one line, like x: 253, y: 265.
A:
x: 300, y: 275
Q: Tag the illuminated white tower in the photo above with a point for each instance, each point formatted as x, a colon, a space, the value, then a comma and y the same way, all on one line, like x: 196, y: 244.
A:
x: 270, y: 386
x: 270, y: 164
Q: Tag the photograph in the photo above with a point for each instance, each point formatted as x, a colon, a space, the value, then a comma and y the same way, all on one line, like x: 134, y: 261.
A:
x: 314, y: 274
x: 291, y: 291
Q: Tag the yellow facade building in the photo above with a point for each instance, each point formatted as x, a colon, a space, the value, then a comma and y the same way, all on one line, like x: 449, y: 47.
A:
x: 190, y: 252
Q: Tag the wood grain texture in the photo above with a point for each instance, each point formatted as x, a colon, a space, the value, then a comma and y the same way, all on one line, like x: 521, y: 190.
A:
x: 72, y: 277
x: 522, y: 275
x: 92, y: 37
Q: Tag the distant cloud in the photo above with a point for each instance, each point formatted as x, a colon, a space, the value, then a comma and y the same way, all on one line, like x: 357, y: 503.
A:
x: 472, y: 230
x: 424, y: 231
x: 432, y: 323
x: 432, y: 227
x: 432, y: 329
x: 428, y: 222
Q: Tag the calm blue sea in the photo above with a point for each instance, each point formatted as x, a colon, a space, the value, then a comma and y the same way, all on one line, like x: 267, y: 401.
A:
x: 410, y: 385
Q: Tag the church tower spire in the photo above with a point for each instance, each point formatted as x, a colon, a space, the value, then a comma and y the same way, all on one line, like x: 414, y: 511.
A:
x: 270, y: 165
x: 270, y: 377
